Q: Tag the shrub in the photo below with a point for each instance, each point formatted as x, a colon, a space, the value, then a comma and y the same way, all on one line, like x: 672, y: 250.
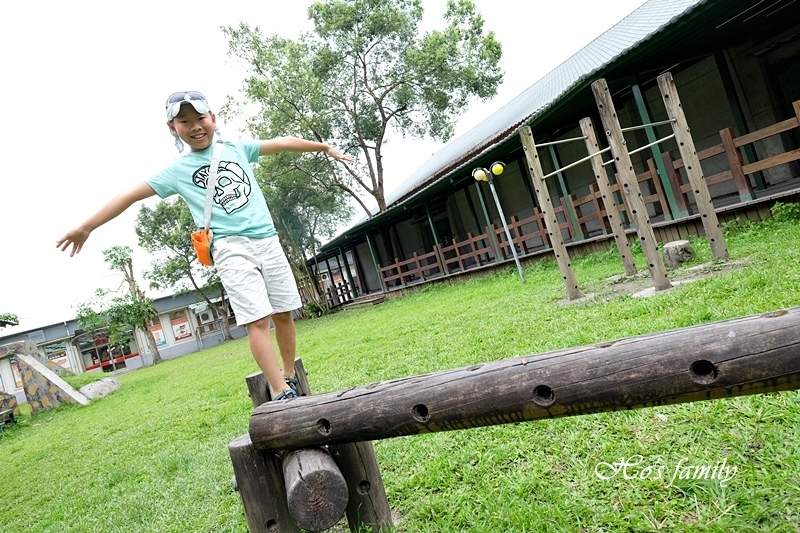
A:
x: 786, y: 212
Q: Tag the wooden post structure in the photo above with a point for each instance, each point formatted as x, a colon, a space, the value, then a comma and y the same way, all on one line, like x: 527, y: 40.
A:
x: 750, y: 355
x: 691, y: 163
x: 600, y: 174
x: 312, y: 487
x: 286, y: 491
x: 367, y: 504
x: 548, y: 213
x: 316, y: 492
x: 630, y: 185
x: 259, y: 482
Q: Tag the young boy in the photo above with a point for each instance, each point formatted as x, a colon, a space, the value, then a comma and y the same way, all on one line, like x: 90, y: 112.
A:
x: 245, y: 249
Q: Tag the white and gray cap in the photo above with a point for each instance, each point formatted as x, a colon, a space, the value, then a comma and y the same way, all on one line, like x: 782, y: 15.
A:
x: 198, y: 102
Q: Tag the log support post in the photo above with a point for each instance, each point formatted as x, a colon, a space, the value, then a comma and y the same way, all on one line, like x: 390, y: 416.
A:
x: 259, y: 481
x: 691, y: 163
x: 629, y: 185
x: 311, y: 488
x: 600, y: 174
x: 539, y: 183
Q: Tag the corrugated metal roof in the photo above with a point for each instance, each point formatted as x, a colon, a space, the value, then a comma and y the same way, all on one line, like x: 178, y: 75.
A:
x: 642, y: 23
x: 659, y: 35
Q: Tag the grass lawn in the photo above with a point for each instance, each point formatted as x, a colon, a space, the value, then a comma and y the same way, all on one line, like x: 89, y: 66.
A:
x: 152, y: 456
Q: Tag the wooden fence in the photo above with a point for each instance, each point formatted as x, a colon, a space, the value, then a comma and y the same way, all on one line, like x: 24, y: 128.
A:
x: 529, y: 234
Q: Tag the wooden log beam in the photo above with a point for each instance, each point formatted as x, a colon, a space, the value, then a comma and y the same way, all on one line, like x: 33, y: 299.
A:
x: 750, y: 355
x: 312, y: 492
x: 364, y: 494
x: 316, y: 492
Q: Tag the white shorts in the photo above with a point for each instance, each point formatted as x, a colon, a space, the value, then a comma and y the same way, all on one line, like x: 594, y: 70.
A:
x: 256, y: 275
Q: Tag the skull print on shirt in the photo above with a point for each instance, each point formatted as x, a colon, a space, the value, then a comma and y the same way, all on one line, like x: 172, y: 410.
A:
x: 233, y: 185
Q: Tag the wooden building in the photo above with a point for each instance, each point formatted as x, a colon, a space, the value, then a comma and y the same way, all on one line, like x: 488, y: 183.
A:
x: 736, y: 66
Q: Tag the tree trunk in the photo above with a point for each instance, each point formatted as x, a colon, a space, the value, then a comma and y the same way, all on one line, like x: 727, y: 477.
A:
x: 152, y: 338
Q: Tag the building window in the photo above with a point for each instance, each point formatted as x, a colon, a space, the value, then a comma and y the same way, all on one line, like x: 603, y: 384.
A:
x: 95, y: 352
x: 57, y: 352
x: 180, y: 325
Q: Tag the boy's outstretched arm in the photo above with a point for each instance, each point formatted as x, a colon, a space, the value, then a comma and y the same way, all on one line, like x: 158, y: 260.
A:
x: 295, y: 144
x: 78, y: 235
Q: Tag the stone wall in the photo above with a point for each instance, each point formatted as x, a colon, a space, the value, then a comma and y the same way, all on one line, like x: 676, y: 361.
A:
x: 19, y: 347
x: 9, y: 401
x: 43, y: 388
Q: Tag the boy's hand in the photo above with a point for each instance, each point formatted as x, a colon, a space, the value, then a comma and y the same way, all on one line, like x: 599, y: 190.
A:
x: 76, y: 238
x: 334, y: 153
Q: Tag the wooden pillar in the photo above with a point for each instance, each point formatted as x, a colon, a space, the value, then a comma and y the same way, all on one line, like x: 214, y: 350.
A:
x: 353, y: 290
x: 600, y: 174
x: 548, y: 213
x: 375, y: 262
x: 630, y: 185
x: 692, y: 165
x: 258, y: 476
x: 313, y: 491
x: 721, y: 59
x: 437, y: 247
x: 367, y: 504
x: 259, y: 481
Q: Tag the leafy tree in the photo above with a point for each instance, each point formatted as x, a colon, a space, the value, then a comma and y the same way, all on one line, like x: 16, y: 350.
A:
x: 120, y: 314
x: 8, y: 319
x: 303, y: 209
x: 166, y: 230
x: 363, y: 73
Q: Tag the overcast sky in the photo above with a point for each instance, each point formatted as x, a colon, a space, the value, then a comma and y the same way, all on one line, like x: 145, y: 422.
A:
x: 84, y: 85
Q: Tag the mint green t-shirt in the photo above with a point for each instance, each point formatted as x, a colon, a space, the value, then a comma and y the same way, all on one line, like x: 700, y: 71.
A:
x: 238, y: 207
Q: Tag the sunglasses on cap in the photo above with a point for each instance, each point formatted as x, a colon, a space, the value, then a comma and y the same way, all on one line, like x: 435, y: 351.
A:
x: 176, y: 100
x: 183, y: 96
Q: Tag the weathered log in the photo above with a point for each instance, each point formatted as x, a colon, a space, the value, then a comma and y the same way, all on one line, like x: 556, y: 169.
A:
x: 365, y: 494
x: 692, y: 166
x: 261, y: 488
x: 316, y: 491
x: 367, y: 504
x: 750, y: 355
x: 629, y: 185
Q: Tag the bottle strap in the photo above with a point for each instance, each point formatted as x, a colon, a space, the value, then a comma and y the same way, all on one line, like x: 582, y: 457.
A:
x: 211, y: 183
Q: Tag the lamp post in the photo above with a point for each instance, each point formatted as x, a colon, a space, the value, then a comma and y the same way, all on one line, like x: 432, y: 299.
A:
x: 481, y: 174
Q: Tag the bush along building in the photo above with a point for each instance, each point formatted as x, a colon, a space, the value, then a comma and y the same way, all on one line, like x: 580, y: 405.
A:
x: 681, y: 117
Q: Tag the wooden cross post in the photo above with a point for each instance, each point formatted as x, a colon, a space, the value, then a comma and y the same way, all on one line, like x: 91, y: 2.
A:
x: 548, y: 213
x: 600, y: 174
x: 312, y: 487
x: 630, y: 185
x: 691, y: 163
